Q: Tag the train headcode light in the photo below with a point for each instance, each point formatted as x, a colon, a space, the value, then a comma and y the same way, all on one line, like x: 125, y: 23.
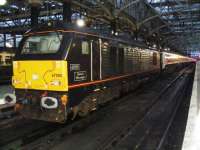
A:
x: 49, y: 102
x: 80, y: 23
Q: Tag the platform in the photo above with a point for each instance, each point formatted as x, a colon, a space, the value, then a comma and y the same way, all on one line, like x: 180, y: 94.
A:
x: 192, y: 133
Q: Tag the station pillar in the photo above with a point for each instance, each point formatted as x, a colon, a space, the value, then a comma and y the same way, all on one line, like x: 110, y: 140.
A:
x: 67, y: 11
x: 4, y: 40
x: 35, y: 12
x: 113, y: 25
x: 161, y: 54
x: 161, y: 61
x: 34, y: 16
x: 14, y: 40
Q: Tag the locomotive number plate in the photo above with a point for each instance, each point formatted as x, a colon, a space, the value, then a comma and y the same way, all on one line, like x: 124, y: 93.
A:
x: 80, y: 76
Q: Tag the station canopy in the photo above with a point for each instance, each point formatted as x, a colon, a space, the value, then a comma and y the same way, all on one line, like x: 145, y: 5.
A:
x: 173, y: 24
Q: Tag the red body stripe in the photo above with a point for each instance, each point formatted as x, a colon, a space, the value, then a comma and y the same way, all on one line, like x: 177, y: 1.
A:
x: 108, y: 79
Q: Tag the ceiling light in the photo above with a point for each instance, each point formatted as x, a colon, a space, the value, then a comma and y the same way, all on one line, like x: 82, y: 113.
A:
x: 8, y: 45
x: 3, y: 2
x: 80, y: 22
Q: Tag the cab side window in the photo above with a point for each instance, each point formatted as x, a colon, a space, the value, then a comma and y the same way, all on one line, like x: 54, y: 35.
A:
x: 85, y: 47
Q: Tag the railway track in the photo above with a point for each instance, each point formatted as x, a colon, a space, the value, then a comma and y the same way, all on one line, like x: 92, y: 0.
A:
x: 8, y: 121
x: 177, y: 122
x: 6, y: 111
x: 14, y: 133
x: 151, y: 131
x: 50, y: 135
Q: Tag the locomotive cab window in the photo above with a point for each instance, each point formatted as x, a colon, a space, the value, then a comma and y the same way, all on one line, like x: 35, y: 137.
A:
x: 42, y: 44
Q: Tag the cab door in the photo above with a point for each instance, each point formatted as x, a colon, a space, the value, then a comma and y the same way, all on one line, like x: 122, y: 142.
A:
x: 79, y: 60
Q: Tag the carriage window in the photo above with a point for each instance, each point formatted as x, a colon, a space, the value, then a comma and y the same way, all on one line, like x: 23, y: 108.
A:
x: 85, y: 48
x: 8, y: 60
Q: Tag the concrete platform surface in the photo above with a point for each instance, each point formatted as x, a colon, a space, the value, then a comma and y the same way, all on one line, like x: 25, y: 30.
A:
x: 192, y: 133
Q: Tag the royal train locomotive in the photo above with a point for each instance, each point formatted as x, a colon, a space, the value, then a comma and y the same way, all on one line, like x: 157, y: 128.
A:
x: 63, y: 71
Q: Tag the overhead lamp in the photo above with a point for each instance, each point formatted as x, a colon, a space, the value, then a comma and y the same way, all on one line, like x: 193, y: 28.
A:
x: 3, y: 2
x: 8, y: 45
x: 23, y: 9
x: 80, y: 22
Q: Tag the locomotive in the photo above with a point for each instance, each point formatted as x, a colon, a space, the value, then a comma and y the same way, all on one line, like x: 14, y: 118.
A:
x: 62, y: 71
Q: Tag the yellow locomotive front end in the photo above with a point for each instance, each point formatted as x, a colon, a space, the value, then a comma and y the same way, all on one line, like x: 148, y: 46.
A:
x: 40, y: 75
x: 40, y: 78
x: 41, y: 89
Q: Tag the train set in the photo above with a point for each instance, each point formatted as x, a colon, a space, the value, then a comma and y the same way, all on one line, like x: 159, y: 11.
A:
x: 62, y: 71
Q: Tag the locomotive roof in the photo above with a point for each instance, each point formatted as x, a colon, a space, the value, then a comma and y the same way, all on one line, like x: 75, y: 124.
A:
x: 85, y: 31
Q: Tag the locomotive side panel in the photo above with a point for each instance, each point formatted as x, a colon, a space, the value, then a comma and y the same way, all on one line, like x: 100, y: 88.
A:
x: 110, y: 58
x: 128, y: 61
x: 95, y: 59
x: 136, y: 59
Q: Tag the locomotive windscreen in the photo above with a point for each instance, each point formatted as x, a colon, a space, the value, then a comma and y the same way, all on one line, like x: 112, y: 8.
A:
x: 42, y: 44
x: 46, y: 45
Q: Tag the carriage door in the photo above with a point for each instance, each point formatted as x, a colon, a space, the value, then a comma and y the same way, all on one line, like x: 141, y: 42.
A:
x: 95, y: 57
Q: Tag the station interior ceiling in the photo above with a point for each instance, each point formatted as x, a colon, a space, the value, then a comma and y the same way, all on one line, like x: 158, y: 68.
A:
x: 168, y: 24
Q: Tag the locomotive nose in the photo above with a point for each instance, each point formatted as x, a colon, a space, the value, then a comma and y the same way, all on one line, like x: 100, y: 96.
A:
x: 49, y: 102
x: 10, y: 98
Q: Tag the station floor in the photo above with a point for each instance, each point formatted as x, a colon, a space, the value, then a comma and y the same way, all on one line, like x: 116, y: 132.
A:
x: 192, y: 132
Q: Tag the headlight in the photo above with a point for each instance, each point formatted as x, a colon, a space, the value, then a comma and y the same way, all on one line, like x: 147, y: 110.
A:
x: 49, y: 102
